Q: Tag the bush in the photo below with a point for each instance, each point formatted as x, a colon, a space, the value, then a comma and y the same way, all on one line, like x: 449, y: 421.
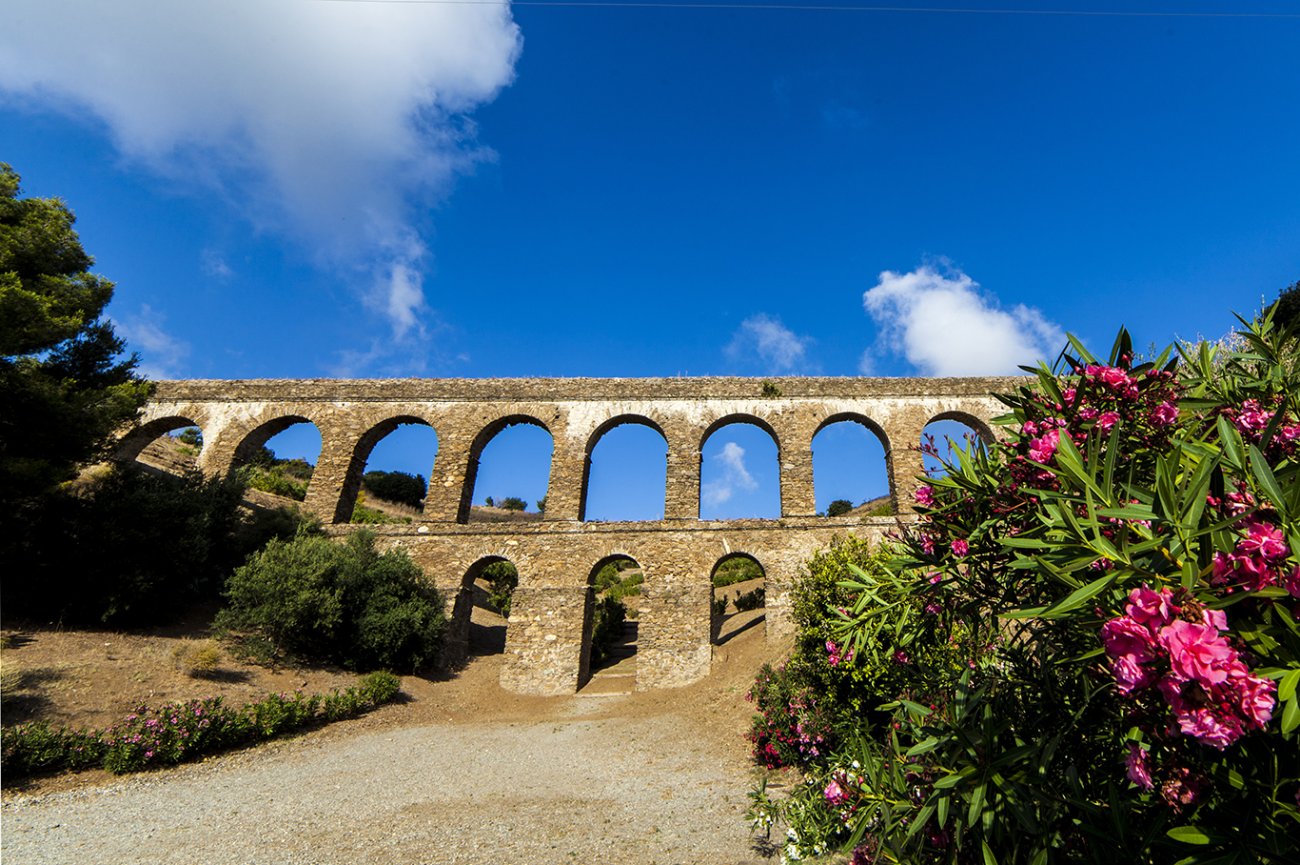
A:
x: 197, y: 659
x: 313, y: 598
x: 839, y: 507
x: 177, y: 732
x: 513, y: 503
x: 502, y: 579
x: 751, y: 600
x: 1086, y: 649
x: 737, y: 569
x: 128, y: 548
x: 607, y: 627
x: 400, y: 487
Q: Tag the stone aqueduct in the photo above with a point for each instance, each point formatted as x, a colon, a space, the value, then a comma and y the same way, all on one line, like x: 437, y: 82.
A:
x: 547, y: 640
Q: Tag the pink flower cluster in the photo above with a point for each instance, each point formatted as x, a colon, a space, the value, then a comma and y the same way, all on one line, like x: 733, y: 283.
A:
x: 1252, y: 419
x: 834, y: 656
x: 1181, y: 652
x: 1258, y: 560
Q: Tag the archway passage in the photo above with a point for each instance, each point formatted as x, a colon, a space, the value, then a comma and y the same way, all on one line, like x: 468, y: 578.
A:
x: 481, y: 612
x: 508, y: 473
x: 626, y: 476
x: 946, y: 436
x: 171, y: 445
x: 851, y: 468
x: 609, y: 632
x: 740, y: 472
x: 279, y: 456
x: 387, y: 478
x: 739, y: 596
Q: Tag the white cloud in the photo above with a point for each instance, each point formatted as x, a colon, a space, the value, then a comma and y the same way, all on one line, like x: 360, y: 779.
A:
x: 215, y: 265
x: 733, y: 476
x: 764, y: 338
x: 944, y: 325
x: 161, y: 354
x: 333, y: 122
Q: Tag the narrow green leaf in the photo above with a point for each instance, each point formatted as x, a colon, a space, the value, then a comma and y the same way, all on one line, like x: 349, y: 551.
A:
x: 989, y: 858
x: 1188, y: 835
x: 1079, y: 597
x: 976, y: 807
x: 1267, y: 481
x: 1286, y: 687
x: 1291, y: 715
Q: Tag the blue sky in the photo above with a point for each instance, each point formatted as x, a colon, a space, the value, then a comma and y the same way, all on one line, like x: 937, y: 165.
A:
x: 302, y: 188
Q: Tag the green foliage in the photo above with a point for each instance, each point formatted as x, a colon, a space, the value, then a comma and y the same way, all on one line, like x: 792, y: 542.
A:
x: 365, y: 515
x: 1002, y: 716
x: 737, y: 569
x: 1286, y: 309
x: 401, y: 487
x: 317, y: 599
x: 63, y: 391
x: 751, y: 600
x: 177, y: 732
x: 770, y: 390
x: 607, y: 627
x: 503, y: 579
x: 191, y: 436
x: 541, y: 505
x: 513, y: 503
x: 129, y: 547
x: 839, y: 507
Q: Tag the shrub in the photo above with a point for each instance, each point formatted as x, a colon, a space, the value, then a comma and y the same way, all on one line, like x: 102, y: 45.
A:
x: 198, y: 658
x: 400, y: 487
x: 127, y: 548
x: 718, y: 607
x: 176, y: 732
x: 502, y: 579
x: 513, y: 503
x: 317, y: 599
x: 751, y: 600
x: 839, y: 507
x: 737, y: 569
x: 607, y: 627
x: 1093, y: 625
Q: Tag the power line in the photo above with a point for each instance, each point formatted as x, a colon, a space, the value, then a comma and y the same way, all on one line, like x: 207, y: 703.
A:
x: 799, y: 7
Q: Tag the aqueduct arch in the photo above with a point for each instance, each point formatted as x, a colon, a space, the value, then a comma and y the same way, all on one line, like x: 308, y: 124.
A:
x: 555, y: 555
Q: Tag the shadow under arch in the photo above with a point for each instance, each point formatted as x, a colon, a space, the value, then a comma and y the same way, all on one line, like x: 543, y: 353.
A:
x: 594, y: 439
x: 621, y: 652
x: 876, y: 430
x: 486, y: 435
x: 487, y: 636
x: 134, y: 443
x: 743, y: 578
x: 361, y: 452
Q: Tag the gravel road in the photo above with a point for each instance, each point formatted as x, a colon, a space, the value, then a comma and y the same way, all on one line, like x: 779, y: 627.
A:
x: 567, y: 789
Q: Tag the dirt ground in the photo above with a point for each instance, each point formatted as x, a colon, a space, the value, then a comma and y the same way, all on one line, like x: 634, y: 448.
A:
x: 91, y: 679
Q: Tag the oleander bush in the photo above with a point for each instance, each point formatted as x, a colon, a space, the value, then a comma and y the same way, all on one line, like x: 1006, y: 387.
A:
x: 1087, y: 648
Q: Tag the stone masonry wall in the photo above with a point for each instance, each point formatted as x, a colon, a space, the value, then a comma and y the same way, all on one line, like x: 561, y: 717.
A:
x: 546, y: 646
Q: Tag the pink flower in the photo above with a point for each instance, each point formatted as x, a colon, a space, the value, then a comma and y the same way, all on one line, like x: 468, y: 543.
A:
x: 1107, y: 421
x: 836, y: 796
x: 1292, y: 582
x: 1198, y: 652
x: 960, y: 547
x: 1150, y: 608
x: 1265, y: 541
x: 1214, y: 729
x: 1042, y: 449
x: 1164, y: 414
x: 925, y: 496
x: 1258, y: 699
x: 1138, y: 768
x: 1130, y: 646
x: 1183, y: 788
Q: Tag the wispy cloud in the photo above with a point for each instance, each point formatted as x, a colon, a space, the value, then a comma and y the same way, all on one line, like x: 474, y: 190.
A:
x: 334, y: 123
x: 762, y: 340
x: 944, y: 325
x: 733, y: 476
x: 215, y: 265
x: 161, y: 354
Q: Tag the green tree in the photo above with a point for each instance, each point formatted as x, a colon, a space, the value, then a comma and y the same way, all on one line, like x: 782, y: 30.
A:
x: 64, y: 385
x: 513, y: 503
x: 400, y: 487
x: 1286, y: 309
x: 839, y: 507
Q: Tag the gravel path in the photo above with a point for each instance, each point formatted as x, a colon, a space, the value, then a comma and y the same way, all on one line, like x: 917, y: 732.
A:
x: 577, y: 789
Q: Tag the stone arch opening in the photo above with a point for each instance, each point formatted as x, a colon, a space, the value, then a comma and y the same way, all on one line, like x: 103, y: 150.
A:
x: 169, y: 444
x: 948, y: 433
x: 851, y: 467
x: 387, y: 476
x: 739, y: 600
x: 740, y: 470
x: 610, y: 624
x: 481, y: 612
x: 509, y: 463
x: 628, y: 459
x: 279, y: 456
